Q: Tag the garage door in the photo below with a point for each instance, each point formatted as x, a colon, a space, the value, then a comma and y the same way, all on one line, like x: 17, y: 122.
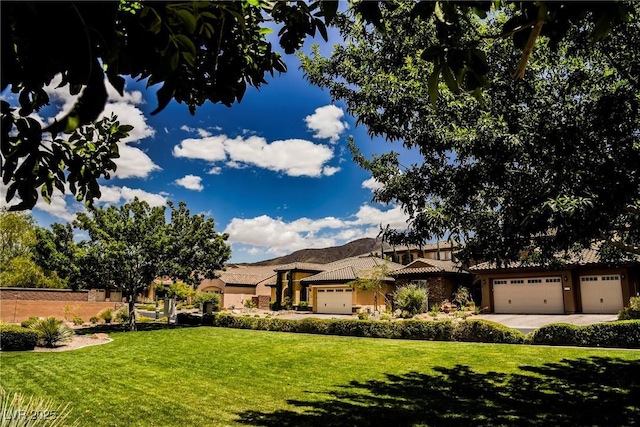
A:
x: 333, y: 301
x: 528, y: 295
x: 601, y: 293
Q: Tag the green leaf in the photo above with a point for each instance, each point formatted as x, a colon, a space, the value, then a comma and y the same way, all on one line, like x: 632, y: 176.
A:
x: 432, y: 84
x: 187, y: 19
x: 329, y: 9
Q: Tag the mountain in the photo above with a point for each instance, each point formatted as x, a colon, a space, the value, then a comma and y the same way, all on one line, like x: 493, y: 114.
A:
x: 323, y: 256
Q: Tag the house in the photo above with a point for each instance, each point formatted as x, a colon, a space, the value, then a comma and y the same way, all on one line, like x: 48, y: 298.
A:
x: 405, y: 254
x: 583, y: 285
x: 331, y: 291
x: 287, y: 289
x: 240, y: 283
x: 442, y: 277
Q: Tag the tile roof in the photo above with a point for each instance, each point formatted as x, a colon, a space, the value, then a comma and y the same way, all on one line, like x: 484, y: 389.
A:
x: 443, y: 244
x: 309, y: 266
x: 584, y: 257
x: 422, y: 265
x: 350, y: 269
x: 245, y: 275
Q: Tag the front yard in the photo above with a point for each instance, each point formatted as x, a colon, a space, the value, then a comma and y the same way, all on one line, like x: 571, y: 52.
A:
x: 216, y: 376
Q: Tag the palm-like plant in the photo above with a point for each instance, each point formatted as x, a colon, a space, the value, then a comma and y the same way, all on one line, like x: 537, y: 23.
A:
x: 52, y: 331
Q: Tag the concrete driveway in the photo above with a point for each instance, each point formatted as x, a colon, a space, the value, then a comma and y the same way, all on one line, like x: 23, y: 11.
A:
x: 525, y: 323
x: 529, y: 322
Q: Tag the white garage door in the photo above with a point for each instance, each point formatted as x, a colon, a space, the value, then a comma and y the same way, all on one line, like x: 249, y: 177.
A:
x: 528, y: 295
x: 601, y: 294
x: 333, y: 301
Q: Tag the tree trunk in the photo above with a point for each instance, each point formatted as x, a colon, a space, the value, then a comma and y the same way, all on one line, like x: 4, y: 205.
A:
x: 132, y: 312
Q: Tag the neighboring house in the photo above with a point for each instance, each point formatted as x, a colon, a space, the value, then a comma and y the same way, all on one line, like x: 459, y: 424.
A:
x: 288, y: 284
x: 442, y: 278
x: 405, y: 255
x: 583, y: 285
x: 331, y: 291
x: 239, y: 283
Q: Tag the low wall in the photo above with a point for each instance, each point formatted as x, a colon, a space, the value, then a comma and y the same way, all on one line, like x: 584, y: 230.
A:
x: 39, y: 294
x: 15, y: 311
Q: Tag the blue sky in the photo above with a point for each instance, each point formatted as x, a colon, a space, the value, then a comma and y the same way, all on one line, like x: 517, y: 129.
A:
x: 273, y: 171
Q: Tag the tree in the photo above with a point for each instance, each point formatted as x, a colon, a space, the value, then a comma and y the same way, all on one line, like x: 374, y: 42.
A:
x: 373, y: 280
x: 131, y: 245
x: 211, y: 51
x: 545, y: 165
x: 17, y: 266
x: 193, y: 246
x: 56, y: 251
x: 196, y: 51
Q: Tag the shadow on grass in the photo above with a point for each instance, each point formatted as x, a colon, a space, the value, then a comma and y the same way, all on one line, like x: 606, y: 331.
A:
x: 594, y: 391
x: 124, y: 327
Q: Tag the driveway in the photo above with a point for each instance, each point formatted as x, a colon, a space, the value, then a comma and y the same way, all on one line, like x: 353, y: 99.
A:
x: 529, y: 322
x: 525, y: 323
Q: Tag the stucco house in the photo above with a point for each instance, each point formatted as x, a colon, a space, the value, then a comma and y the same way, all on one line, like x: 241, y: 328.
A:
x: 406, y: 254
x: 584, y: 284
x: 239, y: 283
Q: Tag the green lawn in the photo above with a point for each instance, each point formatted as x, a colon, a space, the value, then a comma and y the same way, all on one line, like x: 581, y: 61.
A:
x: 215, y: 376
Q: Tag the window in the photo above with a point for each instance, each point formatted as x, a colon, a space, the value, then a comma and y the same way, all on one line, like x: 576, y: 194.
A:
x: 553, y: 280
x: 534, y: 281
x: 589, y: 279
x: 610, y: 277
x: 499, y: 282
x: 516, y: 281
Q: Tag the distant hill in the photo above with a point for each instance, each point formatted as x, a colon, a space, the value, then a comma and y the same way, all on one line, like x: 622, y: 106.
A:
x: 323, y: 256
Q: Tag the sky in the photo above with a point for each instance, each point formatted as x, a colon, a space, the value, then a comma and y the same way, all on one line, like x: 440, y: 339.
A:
x: 274, y: 171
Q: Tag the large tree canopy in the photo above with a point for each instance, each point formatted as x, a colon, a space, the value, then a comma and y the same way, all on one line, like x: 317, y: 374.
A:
x: 544, y: 164
x: 211, y: 51
x: 130, y: 246
x: 195, y: 51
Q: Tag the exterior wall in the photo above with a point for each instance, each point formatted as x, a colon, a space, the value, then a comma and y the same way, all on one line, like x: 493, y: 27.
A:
x: 15, y: 311
x: 440, y: 287
x: 363, y: 300
x: 296, y: 276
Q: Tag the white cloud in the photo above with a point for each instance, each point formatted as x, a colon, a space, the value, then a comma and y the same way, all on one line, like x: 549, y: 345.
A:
x: 203, y: 133
x: 274, y: 236
x: 113, y: 195
x: 133, y: 162
x: 216, y: 170
x: 372, y: 184
x: 326, y: 123
x: 59, y: 208
x: 210, y: 149
x: 190, y: 182
x: 294, y: 157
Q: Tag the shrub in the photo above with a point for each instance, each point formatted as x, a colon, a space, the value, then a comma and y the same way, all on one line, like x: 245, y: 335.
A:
x: 556, y: 334
x: 274, y: 306
x: 479, y: 330
x: 249, y: 303
x: 106, y: 315
x: 462, y: 297
x: 287, y: 303
x: 29, y: 322
x: 94, y: 319
x: 363, y: 315
x: 122, y: 315
x: 52, y: 331
x: 632, y: 311
x: 411, y: 299
x: 434, y: 331
x: 17, y: 338
x: 202, y: 297
x: 77, y: 320
x: 144, y: 319
x: 624, y: 334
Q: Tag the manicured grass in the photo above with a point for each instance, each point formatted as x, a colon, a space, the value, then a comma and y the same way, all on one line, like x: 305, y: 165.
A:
x: 216, y: 376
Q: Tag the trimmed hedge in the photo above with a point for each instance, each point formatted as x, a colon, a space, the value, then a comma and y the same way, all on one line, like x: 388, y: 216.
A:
x: 480, y: 330
x: 621, y: 334
x: 17, y: 338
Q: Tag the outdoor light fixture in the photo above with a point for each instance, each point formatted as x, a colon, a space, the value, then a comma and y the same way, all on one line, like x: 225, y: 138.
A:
x: 565, y: 278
